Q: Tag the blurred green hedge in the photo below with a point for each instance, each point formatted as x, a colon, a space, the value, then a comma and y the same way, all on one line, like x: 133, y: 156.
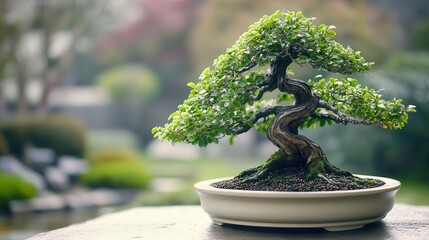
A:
x: 14, y: 134
x: 116, y: 175
x: 14, y: 188
x: 116, y: 168
x: 113, y: 155
x: 63, y: 134
x: 4, y: 149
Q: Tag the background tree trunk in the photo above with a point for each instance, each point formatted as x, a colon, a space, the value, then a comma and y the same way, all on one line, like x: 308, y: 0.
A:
x: 55, y: 73
x: 22, y: 80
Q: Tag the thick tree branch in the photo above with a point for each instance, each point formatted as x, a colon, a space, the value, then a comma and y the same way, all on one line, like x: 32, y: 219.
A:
x: 258, y: 115
x: 329, y: 107
x: 267, y: 85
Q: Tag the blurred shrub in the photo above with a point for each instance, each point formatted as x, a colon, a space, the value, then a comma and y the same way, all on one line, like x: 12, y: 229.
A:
x: 116, y: 168
x: 3, y: 146
x: 14, y: 133
x: 116, y: 175
x: 129, y: 82
x: 63, y: 134
x: 14, y: 188
x: 113, y: 155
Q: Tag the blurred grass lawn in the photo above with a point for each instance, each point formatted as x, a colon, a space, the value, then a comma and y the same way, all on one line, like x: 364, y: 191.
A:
x: 190, y: 172
x: 413, y: 192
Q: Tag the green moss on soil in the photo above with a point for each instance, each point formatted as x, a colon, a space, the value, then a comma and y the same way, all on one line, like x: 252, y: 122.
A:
x: 294, y: 180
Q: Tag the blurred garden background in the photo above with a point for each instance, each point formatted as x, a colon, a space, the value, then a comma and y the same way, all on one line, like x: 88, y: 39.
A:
x: 83, y: 82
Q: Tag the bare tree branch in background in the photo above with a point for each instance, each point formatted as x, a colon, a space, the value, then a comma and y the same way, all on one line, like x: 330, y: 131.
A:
x: 55, y: 73
x: 45, y: 19
x: 55, y: 69
x: 9, y: 35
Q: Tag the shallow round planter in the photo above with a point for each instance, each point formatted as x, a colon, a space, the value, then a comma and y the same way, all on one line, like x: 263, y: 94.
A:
x: 332, y: 210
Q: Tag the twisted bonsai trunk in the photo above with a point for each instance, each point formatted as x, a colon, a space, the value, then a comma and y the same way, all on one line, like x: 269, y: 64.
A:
x: 294, y: 150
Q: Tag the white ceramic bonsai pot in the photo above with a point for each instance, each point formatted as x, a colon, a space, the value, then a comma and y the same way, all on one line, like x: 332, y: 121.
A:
x: 332, y: 210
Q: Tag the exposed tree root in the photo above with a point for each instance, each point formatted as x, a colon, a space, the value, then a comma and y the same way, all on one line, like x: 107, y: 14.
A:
x: 319, y: 167
x: 278, y: 161
x: 275, y: 162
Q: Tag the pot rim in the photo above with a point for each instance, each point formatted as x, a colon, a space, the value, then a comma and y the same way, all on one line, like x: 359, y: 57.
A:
x: 389, y: 186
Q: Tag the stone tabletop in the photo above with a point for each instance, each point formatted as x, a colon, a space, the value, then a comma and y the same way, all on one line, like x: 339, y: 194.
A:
x: 190, y: 222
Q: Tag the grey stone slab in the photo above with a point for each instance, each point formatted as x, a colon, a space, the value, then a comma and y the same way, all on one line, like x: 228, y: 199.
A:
x: 57, y: 180
x: 39, y: 156
x: 10, y: 164
x: 190, y: 222
x: 72, y: 165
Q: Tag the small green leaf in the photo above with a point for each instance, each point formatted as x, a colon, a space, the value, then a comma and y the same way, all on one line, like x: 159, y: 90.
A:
x: 231, y: 140
x: 191, y: 84
x: 411, y: 108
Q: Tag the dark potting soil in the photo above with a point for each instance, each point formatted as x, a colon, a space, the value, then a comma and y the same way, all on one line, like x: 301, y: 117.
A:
x: 294, y: 181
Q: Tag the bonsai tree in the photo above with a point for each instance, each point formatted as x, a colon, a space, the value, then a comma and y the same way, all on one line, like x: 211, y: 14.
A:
x: 230, y: 98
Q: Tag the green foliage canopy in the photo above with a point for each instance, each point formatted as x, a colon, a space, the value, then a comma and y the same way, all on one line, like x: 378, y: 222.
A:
x: 116, y: 168
x: 225, y: 99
